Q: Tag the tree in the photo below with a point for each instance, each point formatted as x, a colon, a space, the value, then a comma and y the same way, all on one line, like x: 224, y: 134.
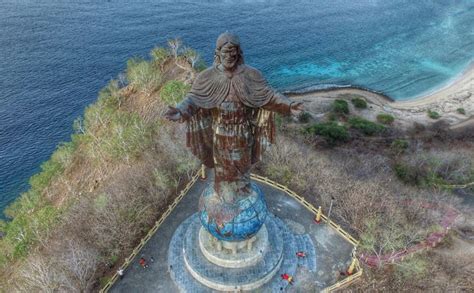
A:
x: 175, y: 46
x: 191, y: 56
x: 159, y: 55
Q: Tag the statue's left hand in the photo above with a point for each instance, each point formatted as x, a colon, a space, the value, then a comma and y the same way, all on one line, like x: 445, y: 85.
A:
x: 173, y: 114
x: 296, y: 108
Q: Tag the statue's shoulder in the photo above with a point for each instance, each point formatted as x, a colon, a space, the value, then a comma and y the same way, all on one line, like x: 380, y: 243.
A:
x: 251, y: 71
x: 207, y: 73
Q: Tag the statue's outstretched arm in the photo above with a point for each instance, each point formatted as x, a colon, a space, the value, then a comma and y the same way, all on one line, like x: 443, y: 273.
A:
x: 283, y: 105
x: 183, y: 111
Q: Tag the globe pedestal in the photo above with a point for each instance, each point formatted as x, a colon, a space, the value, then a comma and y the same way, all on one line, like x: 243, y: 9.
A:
x: 233, y: 254
x: 250, y: 251
x: 232, y: 218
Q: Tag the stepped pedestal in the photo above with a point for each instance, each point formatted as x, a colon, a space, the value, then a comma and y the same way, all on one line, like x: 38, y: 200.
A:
x: 199, y: 262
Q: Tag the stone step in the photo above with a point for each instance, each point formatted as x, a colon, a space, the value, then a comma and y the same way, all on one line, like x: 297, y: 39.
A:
x: 285, y: 244
x: 219, y: 277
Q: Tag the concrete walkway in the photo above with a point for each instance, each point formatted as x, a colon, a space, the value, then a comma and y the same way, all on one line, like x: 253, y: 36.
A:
x: 333, y: 253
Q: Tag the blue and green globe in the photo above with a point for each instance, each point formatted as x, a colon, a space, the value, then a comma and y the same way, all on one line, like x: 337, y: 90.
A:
x: 247, y: 215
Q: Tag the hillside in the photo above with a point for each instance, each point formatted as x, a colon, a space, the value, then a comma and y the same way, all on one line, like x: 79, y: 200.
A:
x: 101, y: 192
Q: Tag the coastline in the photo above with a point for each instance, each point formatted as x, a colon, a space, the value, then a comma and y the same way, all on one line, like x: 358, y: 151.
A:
x: 463, y: 82
x: 459, y: 93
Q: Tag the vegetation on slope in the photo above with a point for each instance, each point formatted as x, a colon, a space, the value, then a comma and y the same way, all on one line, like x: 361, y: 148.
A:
x: 381, y: 205
x: 102, y: 191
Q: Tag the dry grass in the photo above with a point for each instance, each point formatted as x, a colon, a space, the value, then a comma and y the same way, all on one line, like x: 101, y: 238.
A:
x: 379, y: 209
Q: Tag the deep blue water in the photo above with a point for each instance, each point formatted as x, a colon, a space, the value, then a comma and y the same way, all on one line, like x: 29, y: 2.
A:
x: 56, y: 55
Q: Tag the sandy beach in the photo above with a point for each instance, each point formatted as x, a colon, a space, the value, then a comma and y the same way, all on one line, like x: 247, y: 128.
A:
x: 446, y: 100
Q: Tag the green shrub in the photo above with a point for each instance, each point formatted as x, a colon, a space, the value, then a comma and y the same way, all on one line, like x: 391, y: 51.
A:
x: 365, y: 126
x: 461, y: 111
x: 386, y: 119
x: 406, y: 174
x: 49, y: 170
x: 32, y: 217
x: 60, y: 158
x: 435, y: 169
x: 340, y: 107
x: 201, y: 65
x: 433, y: 114
x: 281, y: 173
x: 414, y: 268
x: 399, y: 145
x: 359, y: 103
x: 304, y: 117
x: 159, y: 55
x: 142, y: 75
x: 331, y: 131
x: 126, y: 136
x: 173, y: 92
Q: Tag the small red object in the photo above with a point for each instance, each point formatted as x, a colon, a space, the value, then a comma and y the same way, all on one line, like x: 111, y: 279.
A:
x: 287, y: 277
x: 300, y: 254
x: 142, y: 262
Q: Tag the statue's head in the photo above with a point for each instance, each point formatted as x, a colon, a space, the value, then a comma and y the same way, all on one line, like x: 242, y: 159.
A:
x: 228, y: 52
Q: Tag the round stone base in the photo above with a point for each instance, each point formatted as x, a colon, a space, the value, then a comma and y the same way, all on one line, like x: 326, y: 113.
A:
x: 192, y: 271
x: 233, y: 254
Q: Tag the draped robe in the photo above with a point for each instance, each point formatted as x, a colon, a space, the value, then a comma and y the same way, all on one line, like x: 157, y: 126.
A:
x: 210, y: 89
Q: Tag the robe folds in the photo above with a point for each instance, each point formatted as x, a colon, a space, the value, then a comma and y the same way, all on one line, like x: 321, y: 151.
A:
x: 210, y: 89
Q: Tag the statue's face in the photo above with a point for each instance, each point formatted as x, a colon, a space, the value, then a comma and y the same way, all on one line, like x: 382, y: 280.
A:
x: 229, y: 56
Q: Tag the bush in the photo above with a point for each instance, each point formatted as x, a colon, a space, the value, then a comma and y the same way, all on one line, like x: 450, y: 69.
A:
x: 461, y: 111
x: 435, y: 169
x: 173, y: 92
x: 386, y: 119
x: 142, y: 76
x: 406, y: 174
x: 126, y: 136
x: 331, y: 131
x: 365, y: 126
x: 399, y: 145
x: 304, y: 117
x: 433, y: 114
x: 340, y: 107
x: 159, y: 55
x: 411, y: 269
x: 359, y: 103
x: 33, y: 216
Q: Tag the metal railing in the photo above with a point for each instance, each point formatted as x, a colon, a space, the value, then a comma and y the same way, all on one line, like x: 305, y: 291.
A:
x: 349, y: 279
x: 152, y: 231
x: 343, y: 283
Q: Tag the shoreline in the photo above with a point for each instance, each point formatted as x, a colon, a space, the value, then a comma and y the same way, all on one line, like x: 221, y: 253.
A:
x: 458, y: 93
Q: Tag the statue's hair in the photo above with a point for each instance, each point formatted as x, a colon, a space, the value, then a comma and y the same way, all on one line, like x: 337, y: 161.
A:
x: 217, y: 57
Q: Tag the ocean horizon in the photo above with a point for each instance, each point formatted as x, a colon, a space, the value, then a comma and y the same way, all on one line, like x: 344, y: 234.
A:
x: 56, y: 56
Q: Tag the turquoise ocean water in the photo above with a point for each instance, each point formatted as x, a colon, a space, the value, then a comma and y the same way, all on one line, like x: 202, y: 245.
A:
x: 56, y: 55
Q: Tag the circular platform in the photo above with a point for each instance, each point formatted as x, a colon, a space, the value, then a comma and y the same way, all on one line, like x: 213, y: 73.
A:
x: 250, y: 253
x: 192, y: 271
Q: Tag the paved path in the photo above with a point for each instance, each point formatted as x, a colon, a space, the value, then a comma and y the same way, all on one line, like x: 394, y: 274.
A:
x: 332, y: 251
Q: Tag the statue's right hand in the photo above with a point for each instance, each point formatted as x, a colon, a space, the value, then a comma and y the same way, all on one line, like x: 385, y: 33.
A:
x: 173, y: 114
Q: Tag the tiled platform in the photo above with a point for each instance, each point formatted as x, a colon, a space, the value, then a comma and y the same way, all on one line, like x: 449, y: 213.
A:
x: 333, y: 252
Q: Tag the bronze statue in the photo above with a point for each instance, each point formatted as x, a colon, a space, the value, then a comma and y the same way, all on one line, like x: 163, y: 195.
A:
x: 229, y: 114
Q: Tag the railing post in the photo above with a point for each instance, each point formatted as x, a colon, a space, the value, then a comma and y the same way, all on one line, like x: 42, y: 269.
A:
x: 318, y: 215
x: 351, y: 268
x: 203, y: 172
